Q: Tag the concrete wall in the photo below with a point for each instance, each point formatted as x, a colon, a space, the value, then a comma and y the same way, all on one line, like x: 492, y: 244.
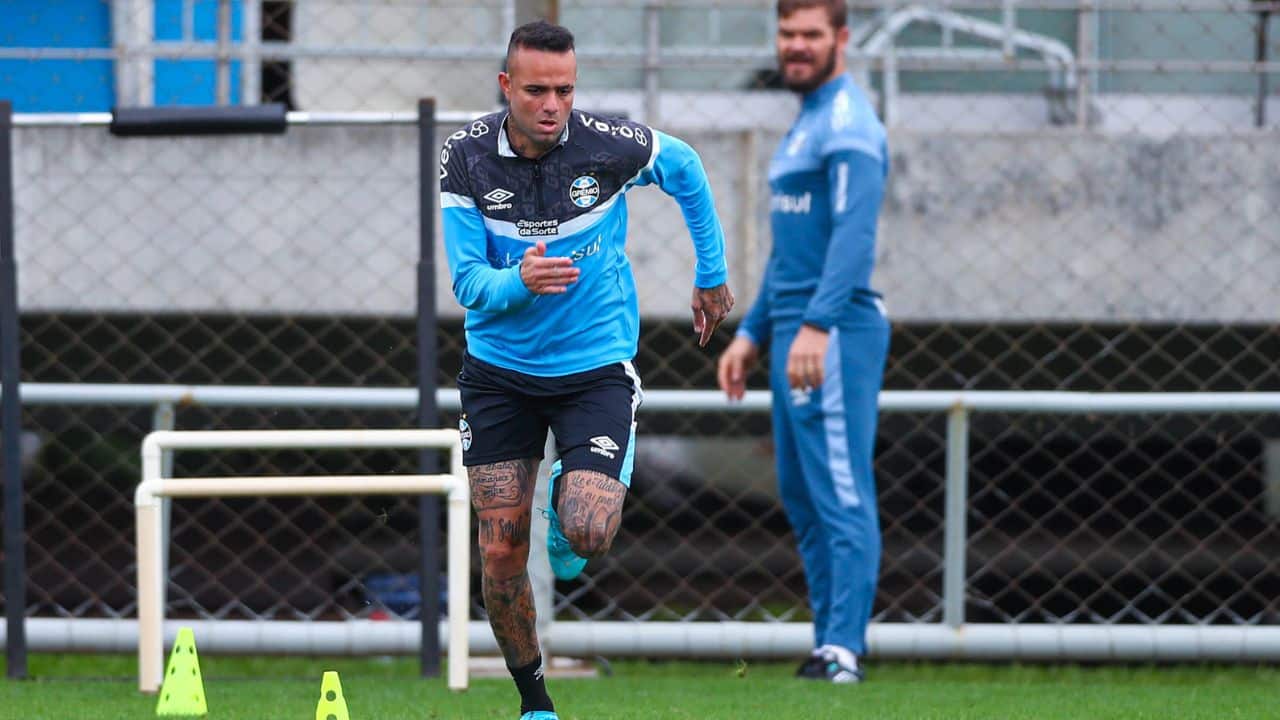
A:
x: 1052, y: 225
x: 1071, y: 226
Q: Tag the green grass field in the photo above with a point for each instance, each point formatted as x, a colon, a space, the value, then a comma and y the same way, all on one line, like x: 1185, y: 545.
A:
x: 71, y: 687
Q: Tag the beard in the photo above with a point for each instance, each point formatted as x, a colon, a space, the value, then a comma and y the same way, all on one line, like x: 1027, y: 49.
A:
x: 821, y: 76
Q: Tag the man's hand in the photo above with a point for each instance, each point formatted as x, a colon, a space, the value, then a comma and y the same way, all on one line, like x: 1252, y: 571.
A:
x: 546, y: 275
x: 736, y: 361
x: 710, y: 307
x: 807, y: 357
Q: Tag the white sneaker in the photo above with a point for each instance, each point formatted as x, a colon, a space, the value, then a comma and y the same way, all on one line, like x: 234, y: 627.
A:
x: 840, y: 665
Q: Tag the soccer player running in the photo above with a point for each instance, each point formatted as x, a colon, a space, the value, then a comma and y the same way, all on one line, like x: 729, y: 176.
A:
x: 535, y: 225
x: 818, y: 312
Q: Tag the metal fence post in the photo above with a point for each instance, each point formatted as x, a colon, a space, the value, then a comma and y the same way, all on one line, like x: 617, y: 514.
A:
x: 1086, y: 60
x: 162, y: 418
x: 751, y: 265
x: 889, y: 83
x: 15, y: 587
x: 126, y: 76
x: 251, y: 67
x: 652, y: 56
x: 1009, y: 19
x: 222, y: 82
x: 133, y: 28
x: 1260, y: 111
x: 428, y: 413
x: 955, y: 529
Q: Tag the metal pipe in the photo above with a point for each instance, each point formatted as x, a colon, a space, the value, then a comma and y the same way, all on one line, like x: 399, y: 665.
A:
x: 164, y: 418
x: 1260, y: 113
x: 379, y: 118
x: 15, y: 552
x: 955, y: 523
x: 142, y: 25
x: 932, y: 641
x: 222, y: 60
x: 428, y: 410
x: 151, y: 586
x: 1010, y: 23
x: 126, y: 89
x: 151, y: 582
x: 1049, y: 401
x: 1058, y: 56
x: 459, y: 568
x: 1175, y: 65
x: 652, y: 60
x: 219, y: 395
x: 509, y: 18
x: 296, y: 439
x: 283, y: 485
x: 251, y: 65
x: 924, y: 641
x: 889, y: 84
x: 752, y: 267
x: 1086, y: 50
x: 293, y: 118
x: 62, y: 120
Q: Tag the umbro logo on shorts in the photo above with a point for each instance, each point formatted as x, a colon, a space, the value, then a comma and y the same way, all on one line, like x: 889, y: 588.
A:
x: 604, y: 445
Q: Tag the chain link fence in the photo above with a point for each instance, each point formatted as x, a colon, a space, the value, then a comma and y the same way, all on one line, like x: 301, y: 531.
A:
x: 254, y: 261
x: 1084, y: 197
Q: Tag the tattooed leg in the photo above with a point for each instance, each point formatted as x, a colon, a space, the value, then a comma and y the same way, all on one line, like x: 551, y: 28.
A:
x: 502, y: 495
x: 590, y: 511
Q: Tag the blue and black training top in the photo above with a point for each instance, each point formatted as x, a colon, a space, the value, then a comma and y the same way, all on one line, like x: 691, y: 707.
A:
x: 496, y: 205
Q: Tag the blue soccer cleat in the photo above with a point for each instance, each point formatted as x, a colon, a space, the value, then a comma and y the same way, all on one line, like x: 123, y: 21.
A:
x: 540, y: 715
x: 564, y: 563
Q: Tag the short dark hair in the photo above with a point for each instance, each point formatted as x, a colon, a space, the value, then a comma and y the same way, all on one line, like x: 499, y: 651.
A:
x: 837, y: 10
x: 540, y: 35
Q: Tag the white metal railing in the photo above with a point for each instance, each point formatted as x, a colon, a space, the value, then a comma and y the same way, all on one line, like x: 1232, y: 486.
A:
x: 151, y: 536
x: 298, y: 117
x: 881, y: 44
x: 952, y: 638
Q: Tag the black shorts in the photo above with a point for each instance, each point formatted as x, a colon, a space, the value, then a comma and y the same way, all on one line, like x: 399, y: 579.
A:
x: 506, y: 415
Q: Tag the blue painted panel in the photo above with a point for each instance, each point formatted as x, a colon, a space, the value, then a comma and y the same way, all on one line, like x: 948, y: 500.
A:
x: 169, y: 20
x: 56, y: 85
x: 193, y: 82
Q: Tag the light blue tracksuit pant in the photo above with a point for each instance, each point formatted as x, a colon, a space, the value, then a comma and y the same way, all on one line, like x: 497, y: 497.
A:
x: 825, y: 439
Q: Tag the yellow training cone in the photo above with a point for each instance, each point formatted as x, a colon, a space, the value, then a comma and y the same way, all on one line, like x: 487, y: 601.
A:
x: 332, y: 706
x: 182, y: 692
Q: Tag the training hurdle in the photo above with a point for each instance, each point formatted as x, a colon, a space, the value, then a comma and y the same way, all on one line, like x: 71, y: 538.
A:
x: 154, y: 486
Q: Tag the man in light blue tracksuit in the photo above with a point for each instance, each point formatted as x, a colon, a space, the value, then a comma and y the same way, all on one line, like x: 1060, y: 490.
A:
x: 828, y: 331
